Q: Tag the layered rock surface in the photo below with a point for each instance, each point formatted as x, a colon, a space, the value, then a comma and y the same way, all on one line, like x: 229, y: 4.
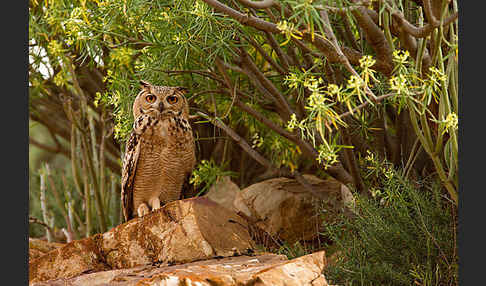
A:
x: 39, y: 247
x: 180, y: 232
x: 263, y: 270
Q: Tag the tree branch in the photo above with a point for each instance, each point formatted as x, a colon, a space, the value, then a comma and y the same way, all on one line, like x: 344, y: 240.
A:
x: 266, y: 56
x: 278, y: 50
x: 259, y: 158
x: 420, y: 32
x: 257, y: 4
x: 376, y: 37
x: 56, y: 150
x: 279, y: 98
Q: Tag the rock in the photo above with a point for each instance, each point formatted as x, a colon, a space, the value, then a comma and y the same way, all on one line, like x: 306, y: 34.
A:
x: 349, y: 201
x: 299, y: 271
x: 283, y: 209
x: 265, y: 269
x: 180, y: 232
x: 39, y: 247
x: 74, y: 258
x: 223, y: 191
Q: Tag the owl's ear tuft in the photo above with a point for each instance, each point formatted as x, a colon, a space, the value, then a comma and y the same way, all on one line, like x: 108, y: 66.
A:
x: 182, y: 89
x: 144, y: 84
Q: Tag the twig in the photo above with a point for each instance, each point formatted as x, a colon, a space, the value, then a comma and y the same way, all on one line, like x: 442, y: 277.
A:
x: 349, y: 34
x: 366, y: 103
x: 94, y: 150
x: 54, y: 150
x: 429, y: 13
x: 43, y: 203
x: 71, y: 212
x: 269, y: 27
x: 91, y: 171
x: 67, y: 234
x: 56, y: 194
x: 227, y: 79
x: 35, y: 220
x: 101, y: 160
x: 54, y: 138
x: 242, y: 142
x: 74, y: 160
x: 87, y: 197
x: 266, y: 56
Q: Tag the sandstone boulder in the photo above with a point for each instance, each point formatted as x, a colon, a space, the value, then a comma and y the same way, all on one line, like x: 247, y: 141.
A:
x: 76, y: 257
x: 39, y: 247
x: 283, y: 209
x: 223, y: 191
x: 265, y: 269
x: 180, y: 232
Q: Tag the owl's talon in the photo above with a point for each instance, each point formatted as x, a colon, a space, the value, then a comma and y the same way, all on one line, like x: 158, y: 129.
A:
x: 154, y: 203
x: 142, y: 210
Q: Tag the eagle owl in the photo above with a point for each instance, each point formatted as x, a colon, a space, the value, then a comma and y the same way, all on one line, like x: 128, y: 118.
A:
x: 160, y: 154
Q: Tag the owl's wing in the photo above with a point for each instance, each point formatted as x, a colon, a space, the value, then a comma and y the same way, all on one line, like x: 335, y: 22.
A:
x: 188, y: 190
x: 130, y: 160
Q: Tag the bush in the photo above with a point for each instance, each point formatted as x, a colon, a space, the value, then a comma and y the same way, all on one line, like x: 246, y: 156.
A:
x: 403, y: 235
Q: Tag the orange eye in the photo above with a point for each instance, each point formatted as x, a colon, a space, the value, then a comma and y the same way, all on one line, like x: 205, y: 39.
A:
x: 150, y: 98
x: 172, y: 99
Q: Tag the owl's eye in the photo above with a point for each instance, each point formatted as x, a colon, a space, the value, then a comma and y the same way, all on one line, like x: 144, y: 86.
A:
x: 150, y: 98
x: 172, y: 99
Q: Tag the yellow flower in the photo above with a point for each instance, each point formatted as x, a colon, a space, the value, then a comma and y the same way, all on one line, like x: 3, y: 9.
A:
x: 288, y: 29
x: 292, y: 123
x: 55, y: 48
x: 355, y: 82
x: 257, y: 141
x: 366, y: 61
x: 292, y: 80
x: 451, y: 122
x: 59, y: 79
x: 436, y: 74
x: 399, y: 84
x: 400, y: 57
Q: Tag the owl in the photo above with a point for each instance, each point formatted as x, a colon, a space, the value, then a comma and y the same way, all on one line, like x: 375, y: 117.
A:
x: 160, y: 153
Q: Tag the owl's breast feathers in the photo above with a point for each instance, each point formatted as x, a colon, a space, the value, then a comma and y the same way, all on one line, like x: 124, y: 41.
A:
x: 179, y: 133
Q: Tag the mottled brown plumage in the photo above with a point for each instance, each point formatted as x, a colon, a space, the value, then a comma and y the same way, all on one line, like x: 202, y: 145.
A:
x: 160, y: 153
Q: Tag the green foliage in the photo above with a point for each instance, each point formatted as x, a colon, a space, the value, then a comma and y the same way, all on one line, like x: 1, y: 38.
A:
x: 206, y: 174
x: 404, y: 235
x: 294, y: 250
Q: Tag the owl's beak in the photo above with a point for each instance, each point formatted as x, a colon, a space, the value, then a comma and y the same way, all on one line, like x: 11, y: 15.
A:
x: 161, y: 106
